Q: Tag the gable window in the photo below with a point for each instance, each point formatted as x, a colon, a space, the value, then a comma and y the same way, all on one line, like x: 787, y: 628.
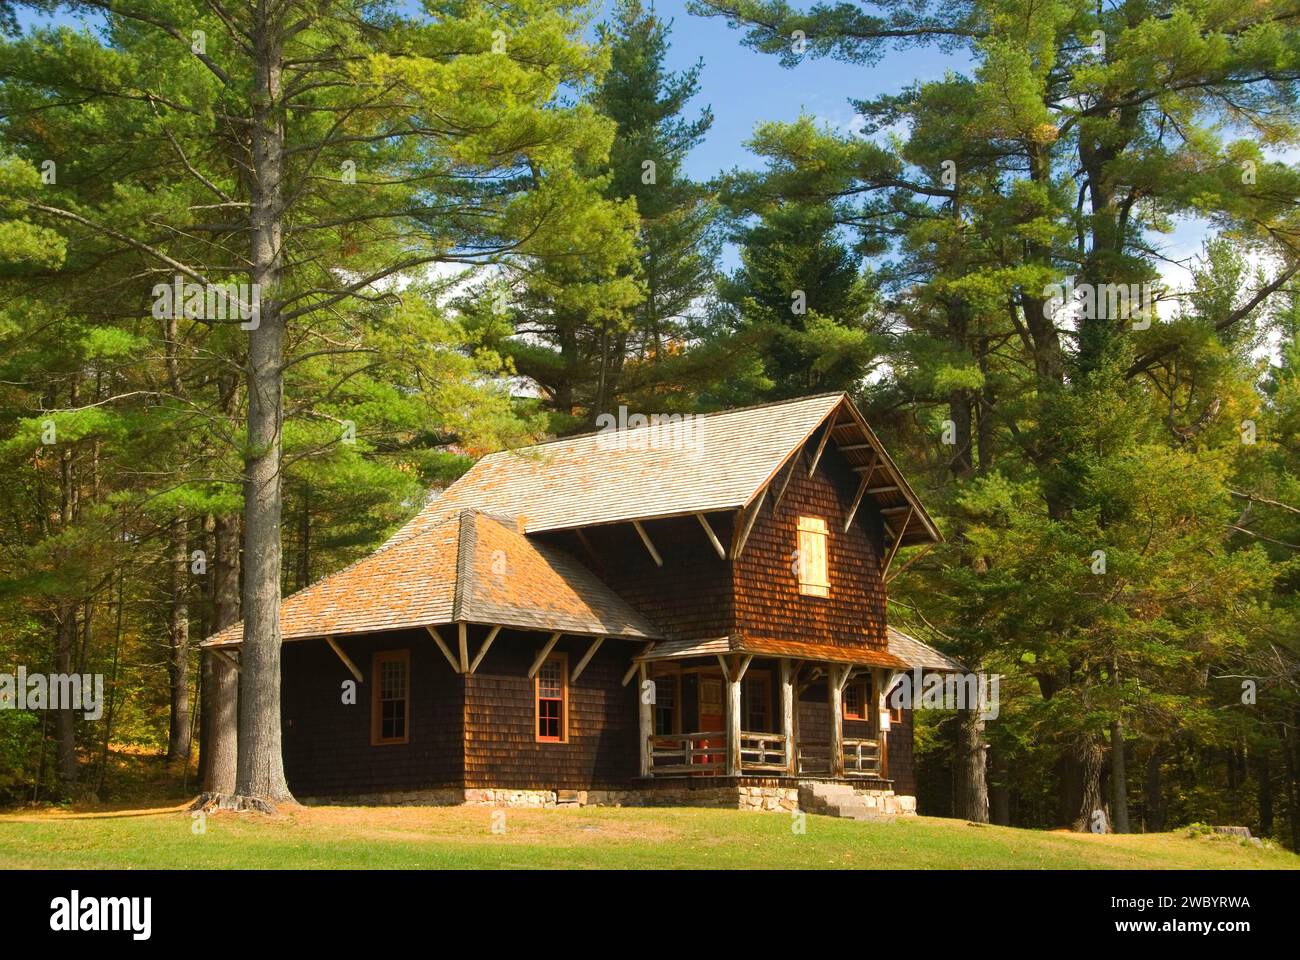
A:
x: 855, y: 701
x: 552, y: 695
x: 666, y: 704
x: 390, y: 706
x: 814, y: 577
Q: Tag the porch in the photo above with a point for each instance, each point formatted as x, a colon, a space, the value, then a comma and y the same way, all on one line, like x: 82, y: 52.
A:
x: 738, y: 714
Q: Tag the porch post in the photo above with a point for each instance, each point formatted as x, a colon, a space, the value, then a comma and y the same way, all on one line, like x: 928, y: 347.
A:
x: 733, y: 721
x: 787, y: 715
x: 879, y: 680
x: 645, y: 718
x: 834, y: 688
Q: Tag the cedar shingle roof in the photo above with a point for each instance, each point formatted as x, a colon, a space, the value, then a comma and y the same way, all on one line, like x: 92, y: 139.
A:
x: 467, y: 566
x: 718, y: 461
x: 445, y: 565
x: 914, y: 653
x: 905, y: 652
x: 764, y: 647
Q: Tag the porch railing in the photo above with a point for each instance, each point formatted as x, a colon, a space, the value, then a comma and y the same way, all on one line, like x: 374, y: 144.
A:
x: 688, y: 753
x: 762, y: 752
x: 705, y: 754
x: 861, y: 757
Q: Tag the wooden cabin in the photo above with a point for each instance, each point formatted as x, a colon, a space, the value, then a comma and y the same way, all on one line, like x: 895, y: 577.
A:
x: 675, y: 612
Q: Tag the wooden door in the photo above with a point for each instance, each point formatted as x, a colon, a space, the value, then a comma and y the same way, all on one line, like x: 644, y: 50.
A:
x: 713, y: 717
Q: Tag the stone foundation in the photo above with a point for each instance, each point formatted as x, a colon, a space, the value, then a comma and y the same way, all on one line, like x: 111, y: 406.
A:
x: 769, y: 797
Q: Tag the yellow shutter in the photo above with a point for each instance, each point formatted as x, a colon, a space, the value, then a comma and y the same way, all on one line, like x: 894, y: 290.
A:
x: 814, y: 575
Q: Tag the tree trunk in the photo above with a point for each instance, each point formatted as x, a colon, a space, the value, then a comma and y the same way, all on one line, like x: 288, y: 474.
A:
x: 1155, y: 799
x: 1264, y: 791
x: 1000, y: 790
x: 260, y: 775
x: 1118, y: 778
x: 972, y: 801
x: 221, y: 682
x: 1091, y: 756
x: 65, y: 719
x: 178, y: 662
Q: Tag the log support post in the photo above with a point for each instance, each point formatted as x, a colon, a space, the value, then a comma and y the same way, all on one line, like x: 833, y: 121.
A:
x: 645, y: 717
x: 787, y: 715
x: 835, y: 679
x: 733, y: 727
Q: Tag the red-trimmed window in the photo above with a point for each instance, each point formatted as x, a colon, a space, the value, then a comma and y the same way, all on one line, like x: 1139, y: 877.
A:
x: 855, y: 703
x: 552, y: 691
x: 390, y: 705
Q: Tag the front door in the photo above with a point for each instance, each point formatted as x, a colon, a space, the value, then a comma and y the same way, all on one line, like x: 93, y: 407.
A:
x: 713, y: 717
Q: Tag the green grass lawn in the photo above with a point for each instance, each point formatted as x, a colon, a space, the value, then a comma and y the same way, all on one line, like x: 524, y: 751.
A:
x: 463, y: 837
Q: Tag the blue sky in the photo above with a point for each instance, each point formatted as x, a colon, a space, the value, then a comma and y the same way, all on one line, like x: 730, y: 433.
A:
x: 745, y: 88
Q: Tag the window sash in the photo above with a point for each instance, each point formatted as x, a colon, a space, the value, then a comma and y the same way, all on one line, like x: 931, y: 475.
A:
x: 390, y: 716
x: 551, y: 700
x: 859, y: 710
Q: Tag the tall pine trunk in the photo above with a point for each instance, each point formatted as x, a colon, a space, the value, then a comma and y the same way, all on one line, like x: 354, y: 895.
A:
x: 65, y: 718
x: 178, y: 661
x: 260, y: 773
x: 221, y: 682
x: 1118, y: 778
x: 972, y: 799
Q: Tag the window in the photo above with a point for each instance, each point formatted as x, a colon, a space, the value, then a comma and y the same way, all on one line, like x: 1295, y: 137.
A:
x: 390, y: 711
x: 757, y: 703
x: 552, y: 699
x: 855, y: 701
x: 813, y: 574
x: 895, y: 716
x: 665, y: 704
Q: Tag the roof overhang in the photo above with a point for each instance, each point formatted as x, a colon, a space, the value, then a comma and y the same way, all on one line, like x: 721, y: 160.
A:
x: 907, y: 522
x: 765, y: 647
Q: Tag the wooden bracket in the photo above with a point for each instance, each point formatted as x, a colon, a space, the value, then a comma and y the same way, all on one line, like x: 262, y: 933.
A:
x: 631, y: 671
x: 713, y: 537
x: 857, y: 499
x: 785, y: 482
x: 645, y: 538
x: 442, y: 645
x: 586, y: 659
x: 898, y: 541
x: 482, y: 651
x: 541, y: 657
x: 750, y: 516
x: 344, y: 657
x: 821, y: 446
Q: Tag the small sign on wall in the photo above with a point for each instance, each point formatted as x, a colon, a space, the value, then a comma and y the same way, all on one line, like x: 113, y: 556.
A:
x: 884, y: 718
